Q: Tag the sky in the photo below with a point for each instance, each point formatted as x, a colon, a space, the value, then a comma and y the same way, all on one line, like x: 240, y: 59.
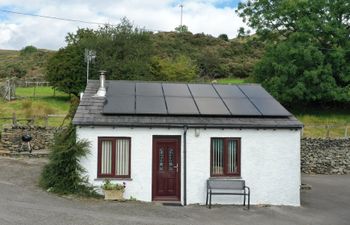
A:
x: 212, y: 17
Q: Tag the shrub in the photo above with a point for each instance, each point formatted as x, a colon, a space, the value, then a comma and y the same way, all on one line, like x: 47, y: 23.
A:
x: 64, y: 174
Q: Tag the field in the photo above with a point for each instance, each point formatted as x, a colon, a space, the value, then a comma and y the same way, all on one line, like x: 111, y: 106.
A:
x: 325, y: 123
x: 27, y: 106
x: 318, y: 123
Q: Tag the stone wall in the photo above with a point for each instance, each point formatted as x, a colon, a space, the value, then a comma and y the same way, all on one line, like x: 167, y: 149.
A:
x: 11, y: 137
x: 325, y: 156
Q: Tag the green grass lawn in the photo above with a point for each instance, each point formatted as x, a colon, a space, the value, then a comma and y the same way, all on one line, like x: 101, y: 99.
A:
x: 38, y: 92
x: 231, y: 81
x: 27, y: 106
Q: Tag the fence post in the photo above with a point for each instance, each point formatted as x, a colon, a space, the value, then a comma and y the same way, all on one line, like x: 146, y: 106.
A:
x: 14, y: 120
x: 46, y: 121
x: 346, y: 131
x: 327, y: 131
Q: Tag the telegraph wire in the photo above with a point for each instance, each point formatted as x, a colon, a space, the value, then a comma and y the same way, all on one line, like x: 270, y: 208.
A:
x: 67, y: 19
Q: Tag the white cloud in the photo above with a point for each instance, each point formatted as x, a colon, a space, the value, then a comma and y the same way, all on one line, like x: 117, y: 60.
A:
x: 17, y: 31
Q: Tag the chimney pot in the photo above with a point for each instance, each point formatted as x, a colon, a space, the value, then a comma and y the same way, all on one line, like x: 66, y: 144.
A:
x: 102, y: 90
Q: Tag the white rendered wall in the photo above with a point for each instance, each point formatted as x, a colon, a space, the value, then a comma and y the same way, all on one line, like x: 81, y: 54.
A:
x: 270, y: 162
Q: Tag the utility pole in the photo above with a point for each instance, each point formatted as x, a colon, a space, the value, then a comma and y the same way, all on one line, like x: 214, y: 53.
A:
x: 182, y: 7
x: 90, y: 56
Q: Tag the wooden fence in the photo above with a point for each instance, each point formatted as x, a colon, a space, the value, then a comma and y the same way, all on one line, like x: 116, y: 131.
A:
x: 31, y: 121
x: 327, y: 130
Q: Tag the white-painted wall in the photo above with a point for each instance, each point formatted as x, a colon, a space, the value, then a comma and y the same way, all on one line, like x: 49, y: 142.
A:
x: 270, y: 162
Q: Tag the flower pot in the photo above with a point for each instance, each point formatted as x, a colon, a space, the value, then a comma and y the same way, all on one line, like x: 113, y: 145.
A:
x: 113, y: 194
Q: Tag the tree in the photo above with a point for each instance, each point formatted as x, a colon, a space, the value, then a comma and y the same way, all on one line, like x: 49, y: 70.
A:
x: 182, y: 29
x: 123, y: 51
x: 181, y: 68
x: 223, y: 37
x: 307, y: 60
x: 28, y: 50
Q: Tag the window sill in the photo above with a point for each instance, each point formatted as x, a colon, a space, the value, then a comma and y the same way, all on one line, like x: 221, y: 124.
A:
x: 112, y: 178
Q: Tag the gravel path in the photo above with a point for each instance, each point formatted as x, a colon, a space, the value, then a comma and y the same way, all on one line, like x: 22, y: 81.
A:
x: 23, y: 203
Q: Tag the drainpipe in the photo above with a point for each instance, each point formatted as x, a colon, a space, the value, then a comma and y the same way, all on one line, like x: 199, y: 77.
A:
x: 185, y: 166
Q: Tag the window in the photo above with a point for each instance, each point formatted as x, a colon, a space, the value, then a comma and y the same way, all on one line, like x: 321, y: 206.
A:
x: 114, y: 157
x: 225, y: 157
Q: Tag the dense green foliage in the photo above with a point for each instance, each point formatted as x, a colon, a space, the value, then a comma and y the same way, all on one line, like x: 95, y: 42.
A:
x: 308, y: 54
x: 129, y: 53
x: 64, y: 174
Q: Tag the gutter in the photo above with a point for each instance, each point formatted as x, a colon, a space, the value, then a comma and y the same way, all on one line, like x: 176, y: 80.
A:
x: 185, y: 166
x: 169, y: 125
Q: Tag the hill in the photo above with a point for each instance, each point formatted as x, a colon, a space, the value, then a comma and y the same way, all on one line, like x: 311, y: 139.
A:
x: 28, y: 63
x: 215, y: 57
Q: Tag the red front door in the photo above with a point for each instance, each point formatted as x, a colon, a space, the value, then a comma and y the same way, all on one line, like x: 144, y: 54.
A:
x: 166, y: 168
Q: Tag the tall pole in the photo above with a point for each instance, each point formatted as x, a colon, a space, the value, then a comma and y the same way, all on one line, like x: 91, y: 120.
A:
x: 87, y: 70
x: 182, y: 7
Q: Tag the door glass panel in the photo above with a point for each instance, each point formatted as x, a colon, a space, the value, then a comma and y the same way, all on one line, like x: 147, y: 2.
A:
x: 171, y: 159
x: 232, y: 161
x: 161, y: 159
x: 217, y: 164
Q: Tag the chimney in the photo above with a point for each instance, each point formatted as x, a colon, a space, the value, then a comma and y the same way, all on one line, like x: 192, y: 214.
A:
x: 102, y: 90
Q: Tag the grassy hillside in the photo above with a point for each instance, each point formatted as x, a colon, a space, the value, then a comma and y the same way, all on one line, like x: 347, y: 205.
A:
x: 23, y: 65
x: 215, y: 57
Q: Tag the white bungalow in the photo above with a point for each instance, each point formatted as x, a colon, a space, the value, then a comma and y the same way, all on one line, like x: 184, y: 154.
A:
x: 164, y: 140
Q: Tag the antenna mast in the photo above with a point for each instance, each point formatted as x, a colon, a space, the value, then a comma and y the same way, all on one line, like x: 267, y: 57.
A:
x: 182, y: 7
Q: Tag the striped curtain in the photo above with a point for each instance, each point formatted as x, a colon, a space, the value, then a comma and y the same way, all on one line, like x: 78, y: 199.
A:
x: 122, y: 157
x: 217, y: 156
x: 232, y: 151
x: 106, y: 157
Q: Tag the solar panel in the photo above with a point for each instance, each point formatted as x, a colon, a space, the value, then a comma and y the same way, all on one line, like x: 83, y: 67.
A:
x: 229, y: 91
x: 176, y: 90
x: 119, y: 105
x: 149, y: 89
x: 270, y: 107
x: 129, y: 97
x: 211, y: 106
x: 181, y: 106
x: 150, y: 105
x: 241, y: 107
x: 203, y: 90
x: 255, y: 91
x: 120, y: 88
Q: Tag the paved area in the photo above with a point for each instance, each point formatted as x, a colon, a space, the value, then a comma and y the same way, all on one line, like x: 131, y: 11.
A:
x: 23, y: 203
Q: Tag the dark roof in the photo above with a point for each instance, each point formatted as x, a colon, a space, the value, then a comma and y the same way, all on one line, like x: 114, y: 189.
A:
x: 120, y: 106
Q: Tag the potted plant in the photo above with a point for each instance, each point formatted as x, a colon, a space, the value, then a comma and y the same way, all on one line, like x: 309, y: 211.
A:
x: 113, y: 191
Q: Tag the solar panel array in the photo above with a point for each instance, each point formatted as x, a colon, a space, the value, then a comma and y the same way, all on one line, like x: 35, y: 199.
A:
x: 128, y: 97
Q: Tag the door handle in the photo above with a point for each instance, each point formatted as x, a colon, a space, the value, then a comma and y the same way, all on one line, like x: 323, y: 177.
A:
x: 176, y: 167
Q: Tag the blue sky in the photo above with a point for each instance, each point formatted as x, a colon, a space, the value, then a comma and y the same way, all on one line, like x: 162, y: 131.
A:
x: 16, y: 31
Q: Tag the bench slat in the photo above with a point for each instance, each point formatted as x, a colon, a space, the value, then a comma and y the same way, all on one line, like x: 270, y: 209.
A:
x: 226, y: 184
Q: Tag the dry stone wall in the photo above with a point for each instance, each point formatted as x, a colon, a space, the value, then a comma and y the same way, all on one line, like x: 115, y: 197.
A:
x: 11, y: 137
x: 325, y: 156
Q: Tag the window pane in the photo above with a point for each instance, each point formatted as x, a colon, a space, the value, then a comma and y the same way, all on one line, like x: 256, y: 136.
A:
x: 122, y: 157
x: 217, y: 156
x: 106, y: 157
x: 232, y: 156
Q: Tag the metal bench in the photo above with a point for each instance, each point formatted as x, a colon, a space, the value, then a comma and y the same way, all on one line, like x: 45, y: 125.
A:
x: 227, y: 187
